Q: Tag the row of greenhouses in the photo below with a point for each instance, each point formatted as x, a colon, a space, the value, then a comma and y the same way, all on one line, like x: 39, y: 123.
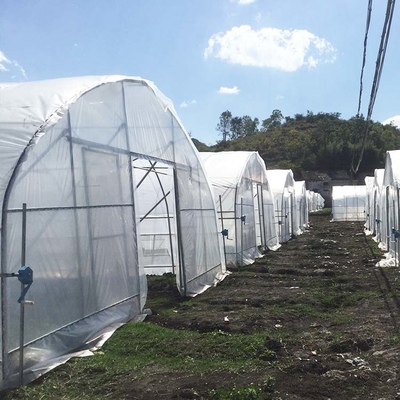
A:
x: 100, y: 185
x: 383, y: 205
x: 376, y: 203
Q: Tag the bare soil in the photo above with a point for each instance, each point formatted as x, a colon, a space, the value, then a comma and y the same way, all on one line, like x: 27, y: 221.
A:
x: 330, y: 318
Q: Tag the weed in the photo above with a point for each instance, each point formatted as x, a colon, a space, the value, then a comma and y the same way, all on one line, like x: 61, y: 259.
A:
x: 394, y: 340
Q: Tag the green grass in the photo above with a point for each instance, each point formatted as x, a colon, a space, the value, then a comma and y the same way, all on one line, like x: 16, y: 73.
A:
x: 136, y: 347
x: 252, y: 392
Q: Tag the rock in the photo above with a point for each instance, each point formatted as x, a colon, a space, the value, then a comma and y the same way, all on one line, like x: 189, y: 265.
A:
x: 335, y: 374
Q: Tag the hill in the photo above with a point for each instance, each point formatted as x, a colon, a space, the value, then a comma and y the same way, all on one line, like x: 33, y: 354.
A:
x: 322, y: 141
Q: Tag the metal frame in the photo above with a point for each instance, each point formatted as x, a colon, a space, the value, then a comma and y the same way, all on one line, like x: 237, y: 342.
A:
x: 87, y: 146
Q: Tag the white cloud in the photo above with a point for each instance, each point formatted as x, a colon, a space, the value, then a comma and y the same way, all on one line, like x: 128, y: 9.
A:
x: 258, y: 17
x: 6, y: 65
x: 244, y: 2
x: 279, y: 97
x: 287, y: 50
x: 395, y: 120
x: 227, y: 90
x: 188, y: 103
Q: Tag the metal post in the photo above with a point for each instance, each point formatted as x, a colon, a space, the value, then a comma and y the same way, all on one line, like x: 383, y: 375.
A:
x: 132, y: 196
x: 279, y: 224
x: 76, y: 221
x: 292, y: 209
x: 394, y: 236
x: 22, y: 304
x: 387, y: 219
x: 398, y: 217
x: 261, y: 197
x: 182, y: 272
x: 241, y: 231
x: 222, y: 225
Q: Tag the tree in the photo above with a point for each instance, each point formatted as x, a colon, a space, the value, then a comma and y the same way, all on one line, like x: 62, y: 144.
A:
x: 274, y: 120
x: 224, y: 124
x: 236, y: 127
x: 250, y: 126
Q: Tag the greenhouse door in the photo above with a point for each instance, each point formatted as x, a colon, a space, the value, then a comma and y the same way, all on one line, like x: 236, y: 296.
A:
x: 259, y: 215
x: 377, y: 218
x: 108, y: 218
x: 157, y: 216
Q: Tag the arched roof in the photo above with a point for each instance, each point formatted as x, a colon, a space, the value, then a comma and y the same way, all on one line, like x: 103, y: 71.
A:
x: 27, y: 109
x: 279, y: 179
x: 226, y: 168
x: 392, y: 168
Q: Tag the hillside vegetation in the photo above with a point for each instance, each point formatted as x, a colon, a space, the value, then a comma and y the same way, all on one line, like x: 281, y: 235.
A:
x: 322, y: 141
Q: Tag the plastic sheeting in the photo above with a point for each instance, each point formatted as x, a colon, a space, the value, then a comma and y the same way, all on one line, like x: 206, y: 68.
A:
x: 369, y: 205
x: 389, y: 202
x: 282, y: 184
x: 244, y: 203
x: 67, y: 150
x: 158, y: 222
x: 378, y: 206
x: 315, y: 201
x: 301, y: 197
x: 348, y: 203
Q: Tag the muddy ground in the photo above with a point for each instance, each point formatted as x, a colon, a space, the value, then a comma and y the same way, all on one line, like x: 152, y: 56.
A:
x: 330, y: 318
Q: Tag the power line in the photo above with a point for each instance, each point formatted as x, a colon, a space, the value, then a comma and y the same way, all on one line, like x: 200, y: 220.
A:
x: 377, y: 76
x: 364, y: 53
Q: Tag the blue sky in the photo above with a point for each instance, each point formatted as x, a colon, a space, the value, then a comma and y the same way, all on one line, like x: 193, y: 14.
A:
x: 208, y: 56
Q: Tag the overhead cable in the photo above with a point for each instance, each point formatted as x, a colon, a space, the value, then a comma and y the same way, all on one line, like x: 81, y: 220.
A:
x: 377, y: 76
x: 364, y: 53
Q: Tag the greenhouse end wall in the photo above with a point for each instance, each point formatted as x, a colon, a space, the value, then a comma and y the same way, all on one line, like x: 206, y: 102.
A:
x: 72, y: 166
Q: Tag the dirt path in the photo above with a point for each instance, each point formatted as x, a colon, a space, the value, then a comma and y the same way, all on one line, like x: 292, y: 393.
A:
x: 330, y: 318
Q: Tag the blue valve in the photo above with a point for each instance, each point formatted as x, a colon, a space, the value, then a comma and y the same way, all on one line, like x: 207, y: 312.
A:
x: 224, y: 232
x: 395, y: 233
x: 279, y: 222
x: 25, y: 276
x: 243, y: 218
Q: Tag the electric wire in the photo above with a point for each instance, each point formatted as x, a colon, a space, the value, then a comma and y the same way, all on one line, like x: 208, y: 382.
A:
x: 377, y: 76
x: 369, y: 11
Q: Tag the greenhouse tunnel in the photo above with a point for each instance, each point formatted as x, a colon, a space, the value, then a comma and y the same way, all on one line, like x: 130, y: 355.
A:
x: 283, y: 188
x: 244, y: 204
x: 70, y: 151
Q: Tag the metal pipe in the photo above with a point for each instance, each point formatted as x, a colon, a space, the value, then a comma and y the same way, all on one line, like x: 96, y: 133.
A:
x: 132, y: 195
x: 387, y: 219
x: 235, y: 205
x: 222, y: 225
x: 155, y: 206
x: 168, y: 219
x: 89, y: 222
x: 146, y: 174
x: 263, y: 218
x: 33, y: 209
x: 22, y: 304
x: 398, y: 217
x: 241, y: 231
x: 182, y: 272
x: 203, y: 273
x: 394, y: 237
x: 118, y: 150
x: 76, y: 221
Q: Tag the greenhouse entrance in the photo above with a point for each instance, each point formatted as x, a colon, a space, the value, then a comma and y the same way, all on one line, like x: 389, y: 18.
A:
x: 260, y: 222
x: 157, y: 216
